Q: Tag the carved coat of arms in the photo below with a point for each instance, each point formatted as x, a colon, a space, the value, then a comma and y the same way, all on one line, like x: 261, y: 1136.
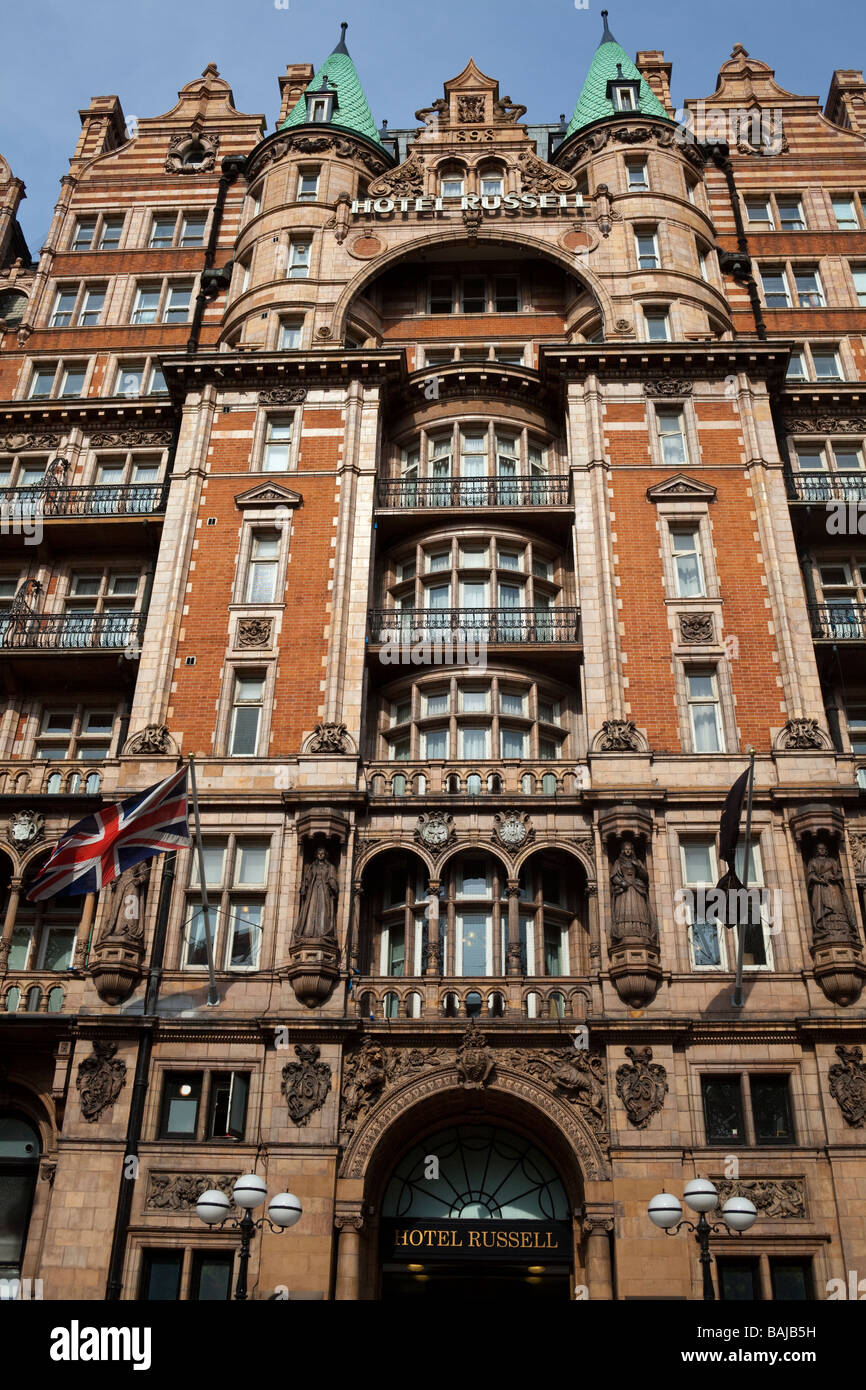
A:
x: 641, y: 1085
x: 848, y: 1084
x: 306, y: 1083
x: 474, y: 1059
x: 101, y: 1078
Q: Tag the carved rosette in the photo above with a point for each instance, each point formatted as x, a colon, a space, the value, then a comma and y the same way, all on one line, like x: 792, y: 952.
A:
x: 847, y: 1080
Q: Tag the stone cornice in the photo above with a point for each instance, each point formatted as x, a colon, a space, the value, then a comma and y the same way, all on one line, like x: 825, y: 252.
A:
x: 655, y: 361
x: 236, y: 371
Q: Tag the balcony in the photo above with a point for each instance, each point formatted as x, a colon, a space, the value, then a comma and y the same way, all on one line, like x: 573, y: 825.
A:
x: 29, y: 504
x: 484, y: 997
x: 433, y: 493
x: 33, y: 992
x: 71, y: 632
x: 518, y: 777
x: 817, y: 489
x: 51, y: 777
x: 453, y: 628
x: 838, y: 622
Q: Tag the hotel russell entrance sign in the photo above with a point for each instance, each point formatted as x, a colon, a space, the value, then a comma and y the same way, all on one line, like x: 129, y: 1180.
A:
x: 431, y: 1240
x: 514, y: 203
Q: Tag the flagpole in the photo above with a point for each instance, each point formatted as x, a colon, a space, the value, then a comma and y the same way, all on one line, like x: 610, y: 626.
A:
x: 737, y: 999
x: 212, y: 997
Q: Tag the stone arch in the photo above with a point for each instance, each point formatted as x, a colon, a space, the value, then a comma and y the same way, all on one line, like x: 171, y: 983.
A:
x: 583, y: 856
x: 460, y: 846
x: 509, y: 1098
x: 388, y: 846
x: 506, y: 236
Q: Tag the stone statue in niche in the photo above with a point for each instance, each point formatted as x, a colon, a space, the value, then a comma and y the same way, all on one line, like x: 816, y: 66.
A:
x: 629, y: 889
x: 125, y: 921
x: 319, y: 892
x: 832, y: 918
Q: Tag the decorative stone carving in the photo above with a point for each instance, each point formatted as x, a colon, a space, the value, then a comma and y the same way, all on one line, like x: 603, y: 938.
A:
x: 341, y: 218
x: 371, y: 1070
x: 117, y: 957
x: 668, y: 386
x: 181, y: 1191
x: 775, y: 1198
x: 254, y: 632
x: 578, y: 1077
x: 847, y: 1079
x: 629, y: 890
x: 306, y: 1083
x: 507, y: 110
x: 24, y: 828
x: 48, y: 1170
x: 101, y: 1077
x: 825, y: 424
x: 832, y: 915
x: 470, y: 110
x: 283, y: 395
x: 153, y: 738
x: 472, y: 222
x: 320, y: 891
x: 858, y: 852
x: 802, y: 733
x: 406, y: 181
x: 512, y: 829
x: 641, y: 1086
x: 129, y: 439
x: 13, y: 443
x: 329, y: 738
x: 178, y: 146
x: 617, y: 736
x: 697, y: 628
x: 474, y: 1060
x: 536, y: 176
x: 681, y: 486
x: 435, y: 831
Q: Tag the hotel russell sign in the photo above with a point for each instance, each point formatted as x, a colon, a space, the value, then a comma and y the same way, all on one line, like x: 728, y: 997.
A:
x: 485, y: 1240
x: 514, y: 203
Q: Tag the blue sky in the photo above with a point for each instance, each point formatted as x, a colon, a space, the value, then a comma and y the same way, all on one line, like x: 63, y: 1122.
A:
x: 58, y: 55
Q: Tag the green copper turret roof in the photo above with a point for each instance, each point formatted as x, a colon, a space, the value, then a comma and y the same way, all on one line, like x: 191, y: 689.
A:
x: 351, y: 111
x: 594, y: 104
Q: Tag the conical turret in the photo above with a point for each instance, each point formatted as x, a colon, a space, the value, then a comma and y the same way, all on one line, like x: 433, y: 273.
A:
x: 335, y: 97
x: 611, y: 68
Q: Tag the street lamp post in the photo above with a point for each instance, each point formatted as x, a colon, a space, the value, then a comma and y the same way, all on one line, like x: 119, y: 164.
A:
x: 738, y: 1214
x: 249, y: 1192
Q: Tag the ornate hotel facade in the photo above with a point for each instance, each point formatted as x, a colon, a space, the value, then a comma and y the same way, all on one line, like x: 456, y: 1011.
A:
x: 467, y: 499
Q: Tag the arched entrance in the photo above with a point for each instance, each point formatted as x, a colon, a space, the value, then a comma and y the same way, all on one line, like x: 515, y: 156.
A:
x: 19, y: 1165
x: 475, y: 1211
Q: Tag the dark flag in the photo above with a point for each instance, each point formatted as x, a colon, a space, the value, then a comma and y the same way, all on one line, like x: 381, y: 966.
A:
x: 729, y: 827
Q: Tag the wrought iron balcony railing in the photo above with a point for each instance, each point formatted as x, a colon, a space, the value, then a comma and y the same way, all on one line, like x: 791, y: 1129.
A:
x: 838, y: 622
x: 473, y: 625
x: 819, y: 488
x: 473, y: 492
x: 71, y: 632
x: 128, y: 499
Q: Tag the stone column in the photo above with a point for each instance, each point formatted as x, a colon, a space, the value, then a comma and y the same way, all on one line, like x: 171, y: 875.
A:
x: 596, y: 1227
x: 350, y: 1225
x: 9, y: 923
x: 433, y: 963
x: 512, y: 952
x: 83, y: 936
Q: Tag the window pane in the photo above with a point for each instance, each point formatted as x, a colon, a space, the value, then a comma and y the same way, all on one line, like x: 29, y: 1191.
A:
x: 791, y: 1279
x: 723, y: 1108
x: 245, y: 733
x: 251, y: 865
x: 211, y: 1276
x: 246, y: 932
x: 771, y: 1109
x: 738, y: 1280
x: 160, y: 1276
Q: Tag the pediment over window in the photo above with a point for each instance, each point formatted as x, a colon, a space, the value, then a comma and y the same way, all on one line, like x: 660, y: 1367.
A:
x: 681, y: 488
x: 269, y: 495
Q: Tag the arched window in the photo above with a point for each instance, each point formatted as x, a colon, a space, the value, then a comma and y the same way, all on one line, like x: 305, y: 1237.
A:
x: 194, y: 156
x: 12, y: 306
x: 19, y: 1165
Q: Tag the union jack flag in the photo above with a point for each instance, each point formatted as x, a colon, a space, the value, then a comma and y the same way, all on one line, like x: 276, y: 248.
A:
x: 96, y: 850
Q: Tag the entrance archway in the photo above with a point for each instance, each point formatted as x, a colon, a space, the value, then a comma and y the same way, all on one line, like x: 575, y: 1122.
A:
x: 475, y: 1211
x: 19, y: 1165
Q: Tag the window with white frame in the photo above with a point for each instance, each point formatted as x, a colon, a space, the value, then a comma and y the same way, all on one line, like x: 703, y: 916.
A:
x: 759, y: 213
x: 704, y: 262
x: 290, y: 334
x: 99, y: 232
x: 78, y: 306
x: 657, y: 324
x: 75, y: 733
x: 236, y: 873
x: 137, y: 471
x: 247, y: 711
x: 705, y: 714
x: 826, y: 363
x: 57, y: 379
x: 264, y: 566
x: 492, y: 183
x: 164, y: 301
x: 774, y: 282
x: 797, y: 366
x: 671, y: 426
x: 141, y: 378
x: 845, y: 212
x: 688, y: 564
x: 637, y: 177
x: 646, y: 248
x: 858, y: 277
x: 699, y: 869
x: 308, y: 185
x: 791, y: 217
x: 299, y: 259
x: 277, y: 450
x: 452, y: 186
x: 625, y: 96
x: 807, y: 281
